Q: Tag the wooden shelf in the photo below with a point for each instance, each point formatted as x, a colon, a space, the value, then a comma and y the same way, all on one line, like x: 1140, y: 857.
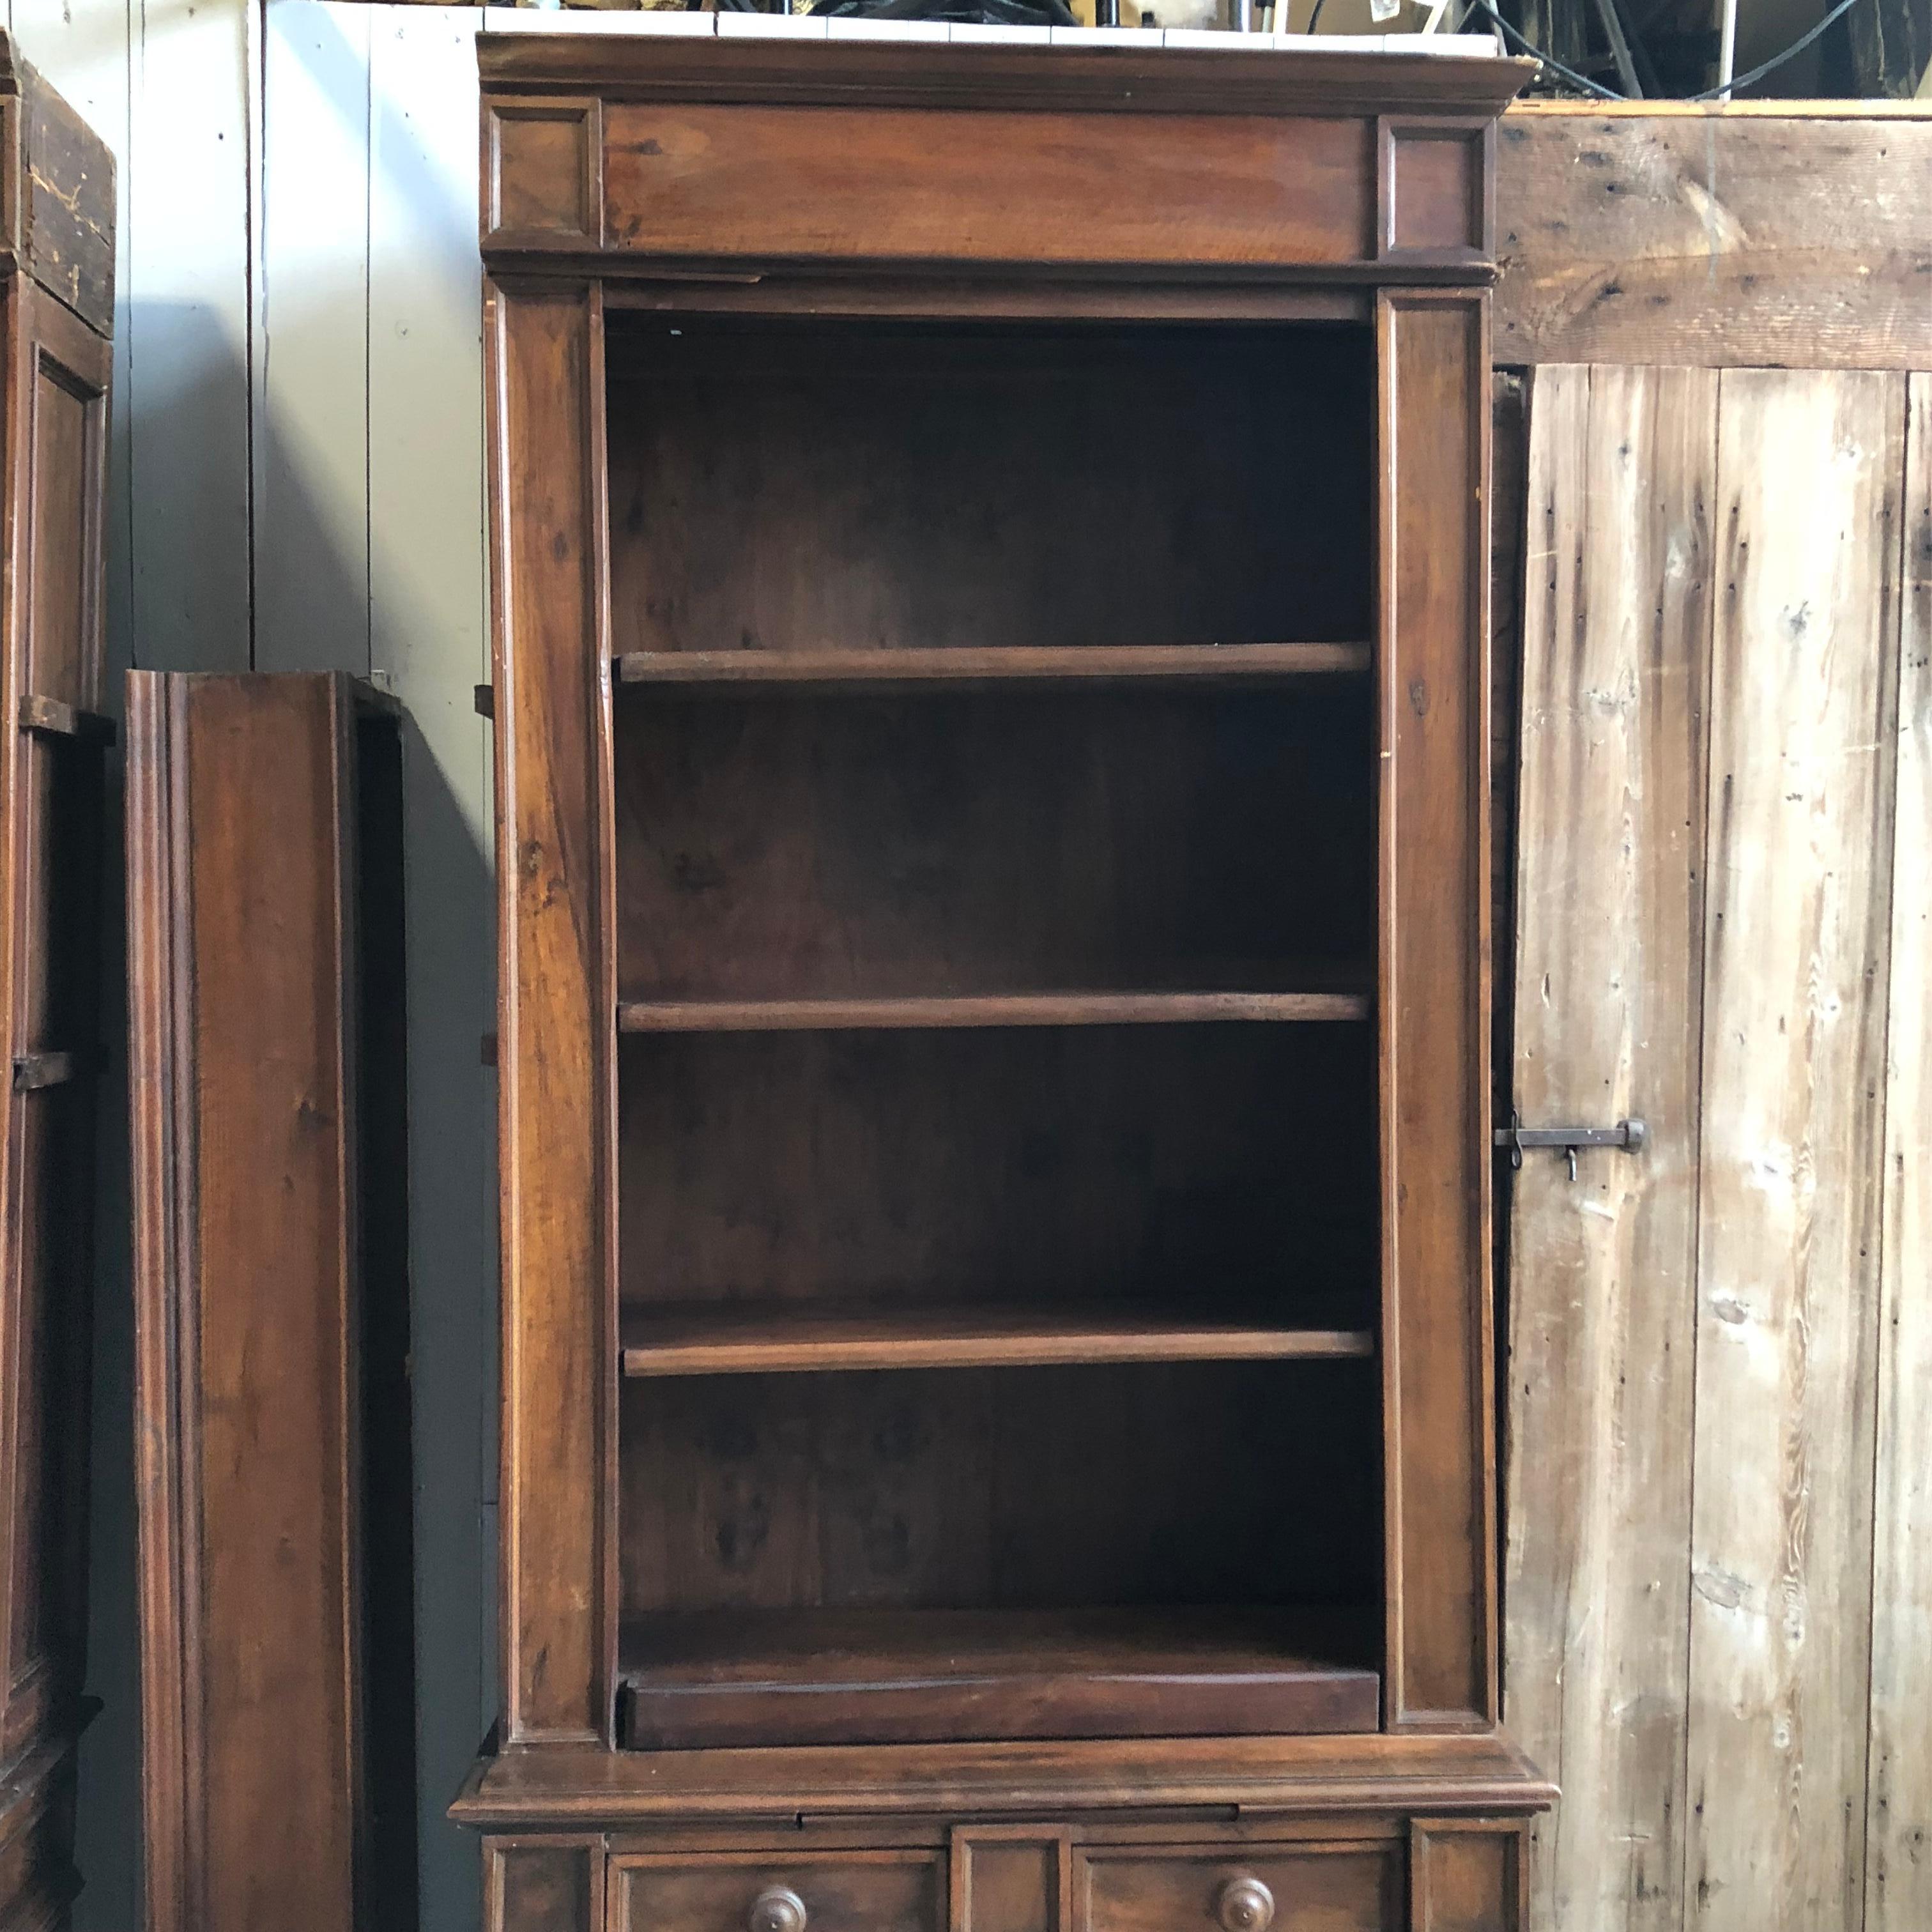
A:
x: 990, y: 1010
x: 736, y: 1338
x: 900, y: 1676
x: 1080, y: 663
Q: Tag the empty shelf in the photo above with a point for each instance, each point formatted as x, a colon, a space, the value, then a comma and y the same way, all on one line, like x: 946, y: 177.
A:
x: 897, y: 1676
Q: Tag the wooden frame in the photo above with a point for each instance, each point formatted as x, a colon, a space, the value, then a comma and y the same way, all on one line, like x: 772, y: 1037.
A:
x: 56, y: 304
x: 712, y: 167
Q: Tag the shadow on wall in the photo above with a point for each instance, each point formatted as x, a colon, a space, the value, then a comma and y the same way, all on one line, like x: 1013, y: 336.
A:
x: 179, y: 542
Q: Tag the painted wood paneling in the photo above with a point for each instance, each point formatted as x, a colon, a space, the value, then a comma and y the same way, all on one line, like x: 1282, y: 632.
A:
x: 428, y: 641
x: 311, y: 320
x: 185, y: 185
x: 1898, y: 1821
x: 1608, y: 970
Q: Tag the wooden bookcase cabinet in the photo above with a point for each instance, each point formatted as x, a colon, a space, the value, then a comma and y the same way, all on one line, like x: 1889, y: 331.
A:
x: 990, y: 692
x: 56, y: 321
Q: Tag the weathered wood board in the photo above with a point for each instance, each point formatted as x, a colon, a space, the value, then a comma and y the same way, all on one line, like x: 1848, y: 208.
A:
x: 1798, y: 938
x: 1898, y: 1819
x: 1609, y: 968
x: 1715, y: 238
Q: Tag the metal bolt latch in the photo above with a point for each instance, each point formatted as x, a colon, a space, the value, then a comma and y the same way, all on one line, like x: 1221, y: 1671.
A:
x: 1630, y: 1135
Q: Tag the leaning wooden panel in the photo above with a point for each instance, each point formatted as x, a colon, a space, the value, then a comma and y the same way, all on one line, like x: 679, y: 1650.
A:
x: 1798, y: 858
x: 1898, y: 1810
x: 1609, y: 981
x: 1435, y: 1016
x: 1714, y: 237
x: 265, y: 974
x: 52, y: 791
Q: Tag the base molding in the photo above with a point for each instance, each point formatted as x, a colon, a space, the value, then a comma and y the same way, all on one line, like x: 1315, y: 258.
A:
x: 38, y: 1882
x: 1372, y: 1833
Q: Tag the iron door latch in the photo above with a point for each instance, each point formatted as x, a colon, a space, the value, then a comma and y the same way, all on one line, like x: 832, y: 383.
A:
x: 1630, y: 1135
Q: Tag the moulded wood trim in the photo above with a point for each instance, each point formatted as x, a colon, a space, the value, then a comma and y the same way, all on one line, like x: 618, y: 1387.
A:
x: 566, y: 1787
x: 162, y: 1078
x: 1131, y: 79
x: 645, y: 286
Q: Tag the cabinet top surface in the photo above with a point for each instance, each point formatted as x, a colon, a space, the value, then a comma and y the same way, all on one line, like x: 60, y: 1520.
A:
x: 1052, y: 69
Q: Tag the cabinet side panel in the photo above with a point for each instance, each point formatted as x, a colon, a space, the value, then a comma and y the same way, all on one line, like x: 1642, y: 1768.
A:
x: 52, y: 782
x: 1466, y: 1878
x: 556, y: 1041
x: 276, y: 1333
x: 1434, y: 1011
x: 534, y: 1887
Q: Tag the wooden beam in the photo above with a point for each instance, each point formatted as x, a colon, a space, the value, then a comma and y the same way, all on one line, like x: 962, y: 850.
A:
x: 1716, y: 238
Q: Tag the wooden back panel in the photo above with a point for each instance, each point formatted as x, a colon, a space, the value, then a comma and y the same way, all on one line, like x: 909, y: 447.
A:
x: 271, y: 1291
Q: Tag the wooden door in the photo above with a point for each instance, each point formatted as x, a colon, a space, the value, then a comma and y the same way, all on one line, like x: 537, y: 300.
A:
x: 1719, y: 1530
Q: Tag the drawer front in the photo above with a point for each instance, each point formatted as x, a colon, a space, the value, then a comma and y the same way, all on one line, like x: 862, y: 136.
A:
x: 1350, y: 1889
x: 851, y: 1892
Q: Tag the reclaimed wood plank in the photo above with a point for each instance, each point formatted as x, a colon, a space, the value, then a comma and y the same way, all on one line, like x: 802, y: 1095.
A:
x: 1715, y: 239
x: 1797, y: 935
x: 1898, y: 1813
x: 1617, y: 602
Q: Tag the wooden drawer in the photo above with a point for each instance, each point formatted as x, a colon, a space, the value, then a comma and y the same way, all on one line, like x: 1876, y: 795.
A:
x: 1353, y: 1888
x: 845, y: 1891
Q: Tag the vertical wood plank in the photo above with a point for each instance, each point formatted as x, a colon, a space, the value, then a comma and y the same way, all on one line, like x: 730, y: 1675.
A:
x: 1898, y: 1878
x: 1434, y: 1011
x: 1800, y: 842
x: 311, y: 344
x: 556, y: 1005
x: 428, y: 640
x: 1609, y: 976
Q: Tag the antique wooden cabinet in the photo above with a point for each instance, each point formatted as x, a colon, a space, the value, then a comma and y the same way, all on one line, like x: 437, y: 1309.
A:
x: 991, y: 711
x: 56, y: 312
x: 265, y: 970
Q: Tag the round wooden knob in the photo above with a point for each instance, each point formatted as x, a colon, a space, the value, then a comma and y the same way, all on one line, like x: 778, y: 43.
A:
x: 779, y: 1908
x: 1246, y: 1905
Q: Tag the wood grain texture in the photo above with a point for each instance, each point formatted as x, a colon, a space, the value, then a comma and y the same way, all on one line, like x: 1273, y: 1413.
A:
x: 1898, y: 1813
x: 1268, y: 1777
x: 59, y: 202
x: 1434, y: 1015
x: 53, y: 805
x: 1793, y: 1067
x: 1111, y: 80
x: 556, y: 1002
x: 869, y: 1676
x: 883, y: 669
x: 1468, y: 1877
x: 905, y: 1891
x: 1714, y: 239
x: 273, y: 1421
x: 1354, y: 1888
x: 1608, y: 970
x: 758, y: 1340
x: 548, y: 1885
x: 923, y: 185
